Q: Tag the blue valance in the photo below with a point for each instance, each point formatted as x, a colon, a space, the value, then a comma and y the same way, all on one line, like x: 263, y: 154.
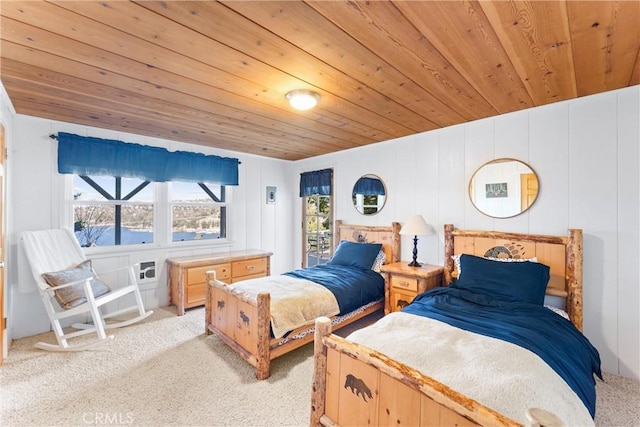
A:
x: 316, y: 182
x: 94, y: 156
x: 369, y: 187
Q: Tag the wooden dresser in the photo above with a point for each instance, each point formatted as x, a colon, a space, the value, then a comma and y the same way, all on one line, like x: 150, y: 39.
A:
x: 187, y: 283
x: 403, y: 283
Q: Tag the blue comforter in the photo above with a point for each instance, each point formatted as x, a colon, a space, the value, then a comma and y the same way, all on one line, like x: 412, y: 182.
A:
x: 554, y: 339
x: 353, y: 287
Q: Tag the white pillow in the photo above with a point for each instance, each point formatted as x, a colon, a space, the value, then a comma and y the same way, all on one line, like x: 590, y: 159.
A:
x: 456, y: 261
x: 381, y: 258
x: 558, y: 311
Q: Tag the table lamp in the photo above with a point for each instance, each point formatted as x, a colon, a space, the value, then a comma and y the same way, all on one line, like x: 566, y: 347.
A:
x: 415, y: 226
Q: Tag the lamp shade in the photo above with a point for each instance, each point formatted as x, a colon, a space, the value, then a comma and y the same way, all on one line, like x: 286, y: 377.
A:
x: 415, y: 226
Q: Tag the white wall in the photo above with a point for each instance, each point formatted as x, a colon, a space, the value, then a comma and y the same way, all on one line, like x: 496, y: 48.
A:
x: 36, y: 202
x: 585, y: 152
x: 6, y: 119
x: 586, y: 155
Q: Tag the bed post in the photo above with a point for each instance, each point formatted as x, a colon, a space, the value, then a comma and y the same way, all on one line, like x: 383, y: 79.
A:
x: 574, y: 277
x: 207, y: 297
x: 448, y: 251
x: 264, y: 336
x: 395, y: 255
x: 337, y: 232
x: 319, y: 385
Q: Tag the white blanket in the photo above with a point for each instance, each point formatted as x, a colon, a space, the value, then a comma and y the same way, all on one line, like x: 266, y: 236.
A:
x: 294, y: 302
x: 498, y: 374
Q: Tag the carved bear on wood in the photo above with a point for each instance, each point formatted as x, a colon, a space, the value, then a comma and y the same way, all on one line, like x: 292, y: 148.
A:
x: 358, y: 387
x: 402, y: 304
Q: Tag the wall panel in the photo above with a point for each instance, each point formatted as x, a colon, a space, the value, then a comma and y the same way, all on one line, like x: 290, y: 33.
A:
x: 628, y: 230
x: 549, y: 158
x: 593, y: 207
x: 582, y: 150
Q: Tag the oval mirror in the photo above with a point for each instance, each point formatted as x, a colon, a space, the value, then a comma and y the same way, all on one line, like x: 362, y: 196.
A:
x: 503, y: 188
x: 369, y: 195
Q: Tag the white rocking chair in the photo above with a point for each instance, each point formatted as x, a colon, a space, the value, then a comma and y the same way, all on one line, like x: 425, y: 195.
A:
x: 68, y: 287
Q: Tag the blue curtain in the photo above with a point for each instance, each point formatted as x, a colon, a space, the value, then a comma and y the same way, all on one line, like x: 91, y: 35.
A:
x: 94, y: 156
x: 316, y: 182
x: 369, y: 187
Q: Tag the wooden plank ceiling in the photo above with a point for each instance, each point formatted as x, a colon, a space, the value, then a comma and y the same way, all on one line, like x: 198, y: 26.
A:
x: 216, y: 73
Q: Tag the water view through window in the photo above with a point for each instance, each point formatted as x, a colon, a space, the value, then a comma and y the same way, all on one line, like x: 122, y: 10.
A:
x: 112, y: 211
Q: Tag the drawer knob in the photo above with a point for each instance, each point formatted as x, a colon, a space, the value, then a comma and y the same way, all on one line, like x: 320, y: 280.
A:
x: 250, y: 267
x: 405, y: 284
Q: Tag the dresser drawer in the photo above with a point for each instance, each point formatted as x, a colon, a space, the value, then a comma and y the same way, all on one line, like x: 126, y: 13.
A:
x: 195, y: 295
x: 406, y: 283
x: 252, y: 267
x: 198, y: 274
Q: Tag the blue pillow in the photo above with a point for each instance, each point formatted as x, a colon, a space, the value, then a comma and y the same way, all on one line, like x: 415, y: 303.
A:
x: 511, y: 281
x: 355, y: 254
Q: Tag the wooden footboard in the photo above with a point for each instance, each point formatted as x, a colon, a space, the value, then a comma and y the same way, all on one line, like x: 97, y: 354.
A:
x: 355, y: 385
x: 245, y: 325
x: 241, y: 323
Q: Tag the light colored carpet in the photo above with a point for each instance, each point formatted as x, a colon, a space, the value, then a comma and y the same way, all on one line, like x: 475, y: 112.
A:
x: 167, y: 372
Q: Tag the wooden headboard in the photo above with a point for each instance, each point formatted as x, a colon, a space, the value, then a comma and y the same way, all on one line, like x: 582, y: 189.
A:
x: 389, y: 236
x: 563, y: 254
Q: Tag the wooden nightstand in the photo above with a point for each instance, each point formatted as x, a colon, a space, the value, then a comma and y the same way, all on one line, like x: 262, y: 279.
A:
x: 403, y: 283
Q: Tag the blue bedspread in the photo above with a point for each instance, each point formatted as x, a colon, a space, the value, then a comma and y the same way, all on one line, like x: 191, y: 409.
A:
x: 554, y: 339
x: 353, y: 287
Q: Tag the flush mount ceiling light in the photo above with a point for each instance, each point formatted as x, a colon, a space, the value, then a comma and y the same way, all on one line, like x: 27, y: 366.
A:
x: 302, y: 99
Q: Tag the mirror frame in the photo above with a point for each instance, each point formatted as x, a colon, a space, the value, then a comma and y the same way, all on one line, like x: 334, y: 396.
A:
x: 496, y: 161
x: 353, y: 202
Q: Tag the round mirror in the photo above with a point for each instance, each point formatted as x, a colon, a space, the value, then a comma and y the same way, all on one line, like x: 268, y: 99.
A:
x: 369, y: 195
x: 503, y: 188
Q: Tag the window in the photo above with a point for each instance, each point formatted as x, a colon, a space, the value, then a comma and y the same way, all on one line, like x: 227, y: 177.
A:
x: 317, y: 218
x: 198, y: 211
x: 111, y: 211
x: 318, y: 230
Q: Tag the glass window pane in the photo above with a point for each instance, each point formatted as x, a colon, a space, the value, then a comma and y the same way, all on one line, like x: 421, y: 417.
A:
x: 191, y: 192
x: 137, y: 224
x: 312, y: 205
x: 197, y: 222
x: 94, y: 225
x: 325, y: 224
x: 312, y: 224
x: 324, y: 205
x: 83, y: 191
x: 144, y: 195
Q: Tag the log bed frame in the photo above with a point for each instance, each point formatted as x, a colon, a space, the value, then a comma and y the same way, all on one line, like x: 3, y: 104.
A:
x: 400, y: 395
x: 244, y: 324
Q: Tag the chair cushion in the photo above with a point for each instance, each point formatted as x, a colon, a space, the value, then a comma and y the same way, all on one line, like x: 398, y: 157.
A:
x: 73, y: 296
